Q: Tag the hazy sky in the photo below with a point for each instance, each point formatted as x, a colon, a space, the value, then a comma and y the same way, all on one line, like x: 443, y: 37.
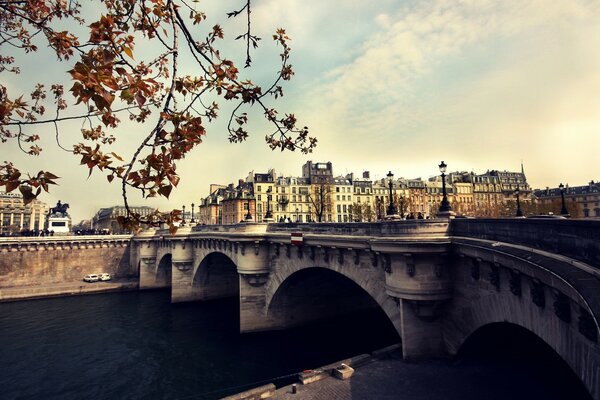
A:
x: 397, y: 85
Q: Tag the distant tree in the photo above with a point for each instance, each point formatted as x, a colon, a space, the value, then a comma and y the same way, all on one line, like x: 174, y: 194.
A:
x: 362, y: 212
x: 320, y: 199
x: 110, y: 80
x: 379, y: 207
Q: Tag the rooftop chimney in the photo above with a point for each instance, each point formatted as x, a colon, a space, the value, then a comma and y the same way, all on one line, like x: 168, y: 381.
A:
x: 366, y: 175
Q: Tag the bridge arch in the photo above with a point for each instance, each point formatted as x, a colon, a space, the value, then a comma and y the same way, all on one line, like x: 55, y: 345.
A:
x: 498, y: 286
x: 163, y: 273
x: 521, y: 348
x: 214, y: 277
x: 295, y: 296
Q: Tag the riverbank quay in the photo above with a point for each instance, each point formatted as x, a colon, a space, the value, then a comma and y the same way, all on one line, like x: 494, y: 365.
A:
x: 75, y: 288
x: 361, y: 377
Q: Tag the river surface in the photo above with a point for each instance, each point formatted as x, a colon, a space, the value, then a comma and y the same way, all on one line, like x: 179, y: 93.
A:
x: 138, y: 345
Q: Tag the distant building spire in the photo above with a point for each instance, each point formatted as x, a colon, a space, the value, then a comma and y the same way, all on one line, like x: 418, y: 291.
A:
x: 522, y: 169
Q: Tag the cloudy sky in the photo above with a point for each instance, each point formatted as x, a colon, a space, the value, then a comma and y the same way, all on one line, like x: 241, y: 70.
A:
x: 401, y: 85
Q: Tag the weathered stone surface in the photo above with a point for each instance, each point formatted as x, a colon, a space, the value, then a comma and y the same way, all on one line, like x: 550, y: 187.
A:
x: 437, y: 282
x: 41, y: 261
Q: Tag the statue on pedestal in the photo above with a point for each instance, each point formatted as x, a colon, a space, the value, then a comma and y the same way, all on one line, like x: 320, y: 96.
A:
x: 60, y: 210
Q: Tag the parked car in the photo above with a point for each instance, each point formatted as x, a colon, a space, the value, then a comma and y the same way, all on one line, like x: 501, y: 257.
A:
x: 105, y: 277
x: 91, y: 278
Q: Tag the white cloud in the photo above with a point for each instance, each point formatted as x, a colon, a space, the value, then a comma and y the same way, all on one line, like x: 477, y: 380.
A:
x: 456, y: 78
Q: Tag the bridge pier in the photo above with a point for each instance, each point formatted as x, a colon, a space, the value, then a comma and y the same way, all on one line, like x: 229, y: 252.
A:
x: 420, y: 284
x: 182, y: 271
x: 421, y: 337
x: 253, y: 304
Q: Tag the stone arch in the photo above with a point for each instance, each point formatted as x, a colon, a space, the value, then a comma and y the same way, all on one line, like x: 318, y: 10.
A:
x: 535, y: 293
x: 505, y: 341
x: 369, y: 286
x: 163, y: 273
x: 215, y: 276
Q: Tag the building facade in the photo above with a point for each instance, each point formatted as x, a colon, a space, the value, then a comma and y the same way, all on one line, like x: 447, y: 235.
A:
x: 580, y: 201
x: 16, y: 216
x: 319, y: 195
x: 107, y: 218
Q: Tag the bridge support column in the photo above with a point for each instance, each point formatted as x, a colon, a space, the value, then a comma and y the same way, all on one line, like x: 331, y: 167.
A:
x: 147, y: 257
x: 253, y: 316
x: 147, y: 273
x: 421, y: 336
x: 420, y: 284
x: 182, y: 272
x: 181, y: 283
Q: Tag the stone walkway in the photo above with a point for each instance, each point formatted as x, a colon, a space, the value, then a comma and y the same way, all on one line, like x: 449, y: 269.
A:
x: 378, y: 379
x: 65, y: 289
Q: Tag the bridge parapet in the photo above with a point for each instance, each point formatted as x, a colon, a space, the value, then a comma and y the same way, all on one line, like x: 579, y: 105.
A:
x: 40, y: 243
x: 577, y: 239
x: 422, y: 228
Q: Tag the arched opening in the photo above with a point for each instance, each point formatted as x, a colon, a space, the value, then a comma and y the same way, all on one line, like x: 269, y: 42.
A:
x: 524, y: 366
x: 163, y: 272
x: 343, y: 310
x: 216, y: 277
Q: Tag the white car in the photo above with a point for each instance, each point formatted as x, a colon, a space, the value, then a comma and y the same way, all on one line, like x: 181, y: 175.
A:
x: 105, y: 277
x: 91, y: 278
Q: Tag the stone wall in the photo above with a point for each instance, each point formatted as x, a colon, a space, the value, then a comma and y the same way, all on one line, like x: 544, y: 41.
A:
x: 579, y: 239
x: 499, y: 285
x: 39, y: 261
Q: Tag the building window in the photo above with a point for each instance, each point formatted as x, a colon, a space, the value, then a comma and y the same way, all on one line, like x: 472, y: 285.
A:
x: 258, y: 189
x: 339, y: 208
x: 337, y: 189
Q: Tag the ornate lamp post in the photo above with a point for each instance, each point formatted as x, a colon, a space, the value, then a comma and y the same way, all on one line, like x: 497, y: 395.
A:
x: 445, y: 205
x: 192, y: 220
x: 269, y: 214
x: 563, y: 208
x: 519, y: 212
x: 183, y: 215
x: 391, y: 208
x: 248, y: 214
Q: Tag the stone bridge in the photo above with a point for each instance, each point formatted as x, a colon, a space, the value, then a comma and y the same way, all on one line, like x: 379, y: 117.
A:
x: 438, y: 282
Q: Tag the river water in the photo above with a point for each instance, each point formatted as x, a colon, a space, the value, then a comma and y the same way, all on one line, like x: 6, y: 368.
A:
x: 138, y: 345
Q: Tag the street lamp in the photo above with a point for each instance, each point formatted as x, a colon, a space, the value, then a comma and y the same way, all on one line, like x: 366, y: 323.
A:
x: 519, y: 212
x: 391, y: 209
x: 563, y: 208
x: 269, y: 214
x: 445, y: 206
x: 248, y: 215
x: 192, y: 221
x: 183, y: 215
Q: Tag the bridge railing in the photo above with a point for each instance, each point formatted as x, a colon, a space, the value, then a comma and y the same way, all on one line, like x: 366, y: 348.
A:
x: 432, y: 227
x: 578, y: 239
x: 62, y: 238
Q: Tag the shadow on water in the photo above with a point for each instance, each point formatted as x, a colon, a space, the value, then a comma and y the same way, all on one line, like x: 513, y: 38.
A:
x: 139, y: 345
x: 277, y: 356
x: 519, y: 364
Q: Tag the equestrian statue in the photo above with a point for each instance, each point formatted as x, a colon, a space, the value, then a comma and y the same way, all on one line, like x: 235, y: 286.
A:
x: 60, y: 210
